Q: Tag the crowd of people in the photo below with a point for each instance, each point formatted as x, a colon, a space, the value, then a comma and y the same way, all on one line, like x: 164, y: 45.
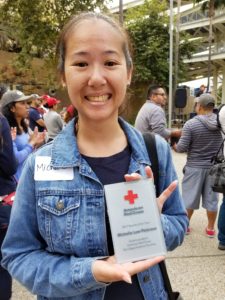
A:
x: 26, y: 123
x: 64, y: 248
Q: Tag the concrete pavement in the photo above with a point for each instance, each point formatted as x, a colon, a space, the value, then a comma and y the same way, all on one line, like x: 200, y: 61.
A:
x: 196, y: 269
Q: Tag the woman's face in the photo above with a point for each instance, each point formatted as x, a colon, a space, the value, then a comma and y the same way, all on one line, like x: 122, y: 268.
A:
x: 20, y: 109
x: 96, y: 75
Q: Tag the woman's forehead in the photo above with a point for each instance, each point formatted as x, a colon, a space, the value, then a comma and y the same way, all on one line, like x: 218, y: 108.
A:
x: 94, y: 27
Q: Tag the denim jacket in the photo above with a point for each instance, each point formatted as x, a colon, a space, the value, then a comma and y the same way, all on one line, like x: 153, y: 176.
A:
x: 57, y: 228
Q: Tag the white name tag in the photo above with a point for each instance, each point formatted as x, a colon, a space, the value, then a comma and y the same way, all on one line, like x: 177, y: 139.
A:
x: 43, y: 170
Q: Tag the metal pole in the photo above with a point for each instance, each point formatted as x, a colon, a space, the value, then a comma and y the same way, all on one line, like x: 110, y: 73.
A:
x: 170, y: 67
x: 121, y: 12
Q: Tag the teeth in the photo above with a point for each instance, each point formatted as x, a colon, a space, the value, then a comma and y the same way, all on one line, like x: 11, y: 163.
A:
x: 98, y: 98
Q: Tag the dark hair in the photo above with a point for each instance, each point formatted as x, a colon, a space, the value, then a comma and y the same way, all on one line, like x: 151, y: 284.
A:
x: 1, y: 138
x: 153, y: 89
x: 47, y: 106
x: 6, y: 111
x: 74, y: 21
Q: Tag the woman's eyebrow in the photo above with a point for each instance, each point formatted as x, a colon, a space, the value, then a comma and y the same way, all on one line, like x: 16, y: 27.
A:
x: 85, y: 53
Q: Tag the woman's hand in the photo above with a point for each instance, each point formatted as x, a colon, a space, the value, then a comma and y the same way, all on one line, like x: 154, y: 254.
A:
x: 37, y: 138
x: 107, y: 270
x: 165, y: 194
x: 13, y: 133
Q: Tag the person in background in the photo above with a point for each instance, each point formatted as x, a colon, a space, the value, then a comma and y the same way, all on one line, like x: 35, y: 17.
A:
x: 201, y: 90
x: 69, y: 114
x: 15, y: 108
x: 3, y: 89
x: 151, y: 117
x: 65, y: 249
x: 52, y: 119
x: 201, y: 139
x: 8, y: 166
x: 221, y: 215
x: 35, y: 116
x: 42, y: 109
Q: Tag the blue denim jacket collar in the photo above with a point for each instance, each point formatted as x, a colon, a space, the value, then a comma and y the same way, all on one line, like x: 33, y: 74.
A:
x: 65, y: 152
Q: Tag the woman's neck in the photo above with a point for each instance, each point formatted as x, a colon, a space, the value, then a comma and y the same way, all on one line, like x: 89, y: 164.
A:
x: 19, y: 122
x: 100, y: 139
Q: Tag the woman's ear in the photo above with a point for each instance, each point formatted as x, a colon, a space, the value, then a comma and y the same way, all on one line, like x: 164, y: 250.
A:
x: 129, y: 76
x: 63, y: 81
x: 12, y: 109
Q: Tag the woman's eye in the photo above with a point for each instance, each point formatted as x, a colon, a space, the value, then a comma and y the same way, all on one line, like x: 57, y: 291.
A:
x: 110, y: 63
x: 81, y: 64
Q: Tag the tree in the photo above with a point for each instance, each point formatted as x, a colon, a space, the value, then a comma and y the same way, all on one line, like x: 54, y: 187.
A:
x: 210, y: 6
x: 36, y: 24
x: 148, y: 27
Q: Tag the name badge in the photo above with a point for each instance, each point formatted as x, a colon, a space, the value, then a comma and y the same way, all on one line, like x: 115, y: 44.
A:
x: 44, y: 172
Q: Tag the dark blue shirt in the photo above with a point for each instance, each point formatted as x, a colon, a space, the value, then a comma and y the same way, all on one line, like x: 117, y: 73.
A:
x: 35, y: 115
x: 112, y: 170
x: 8, y: 163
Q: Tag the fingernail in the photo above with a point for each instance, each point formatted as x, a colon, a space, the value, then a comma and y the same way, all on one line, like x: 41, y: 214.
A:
x: 127, y: 279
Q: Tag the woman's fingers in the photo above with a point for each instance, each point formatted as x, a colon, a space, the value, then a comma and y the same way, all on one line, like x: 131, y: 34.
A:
x: 140, y: 266
x: 132, y: 177
x: 149, y: 172
x: 13, y: 133
x: 136, y: 176
x: 166, y: 193
x: 108, y: 270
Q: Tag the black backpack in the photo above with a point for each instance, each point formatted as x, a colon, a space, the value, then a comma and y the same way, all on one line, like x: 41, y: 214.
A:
x: 217, y: 171
x: 218, y: 120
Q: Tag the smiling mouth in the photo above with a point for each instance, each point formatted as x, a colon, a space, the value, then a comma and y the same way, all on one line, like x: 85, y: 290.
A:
x: 100, y: 99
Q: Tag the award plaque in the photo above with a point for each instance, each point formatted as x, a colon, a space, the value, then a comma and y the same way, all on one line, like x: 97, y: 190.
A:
x: 134, y: 220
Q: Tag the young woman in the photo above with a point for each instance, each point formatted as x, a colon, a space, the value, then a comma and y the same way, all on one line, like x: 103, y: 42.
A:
x: 15, y: 109
x: 8, y: 167
x: 65, y: 249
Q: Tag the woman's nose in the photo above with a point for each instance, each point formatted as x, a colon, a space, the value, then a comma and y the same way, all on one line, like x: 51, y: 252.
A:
x: 97, y: 76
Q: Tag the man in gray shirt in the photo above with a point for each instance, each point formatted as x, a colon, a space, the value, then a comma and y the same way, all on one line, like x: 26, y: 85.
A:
x: 151, y: 116
x: 201, y: 139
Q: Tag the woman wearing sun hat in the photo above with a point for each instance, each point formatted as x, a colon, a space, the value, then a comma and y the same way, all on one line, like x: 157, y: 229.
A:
x: 15, y: 108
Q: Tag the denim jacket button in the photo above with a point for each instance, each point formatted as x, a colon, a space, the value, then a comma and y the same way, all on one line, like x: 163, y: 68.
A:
x: 60, y: 205
x: 146, y: 278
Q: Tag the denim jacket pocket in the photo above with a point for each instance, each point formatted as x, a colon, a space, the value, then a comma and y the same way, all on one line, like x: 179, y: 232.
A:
x: 58, y: 215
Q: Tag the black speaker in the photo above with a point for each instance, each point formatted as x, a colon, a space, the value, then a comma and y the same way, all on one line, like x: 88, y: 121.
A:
x: 180, y: 98
x: 52, y: 92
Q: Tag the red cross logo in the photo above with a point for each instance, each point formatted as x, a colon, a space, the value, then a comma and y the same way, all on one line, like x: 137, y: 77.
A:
x: 130, y: 196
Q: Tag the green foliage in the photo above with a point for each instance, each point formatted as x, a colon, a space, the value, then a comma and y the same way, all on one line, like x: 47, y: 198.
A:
x: 210, y: 4
x: 148, y: 27
x: 36, y: 24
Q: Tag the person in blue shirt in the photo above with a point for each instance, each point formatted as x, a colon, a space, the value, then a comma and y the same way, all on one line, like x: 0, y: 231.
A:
x: 35, y: 116
x: 15, y: 108
x: 65, y: 248
x: 8, y: 165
